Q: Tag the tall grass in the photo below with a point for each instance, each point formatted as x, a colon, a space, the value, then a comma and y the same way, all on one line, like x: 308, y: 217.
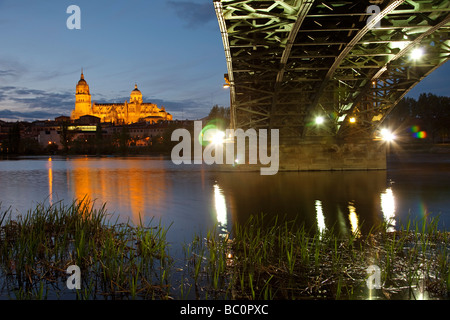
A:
x: 272, y: 259
x: 263, y: 258
x: 116, y: 260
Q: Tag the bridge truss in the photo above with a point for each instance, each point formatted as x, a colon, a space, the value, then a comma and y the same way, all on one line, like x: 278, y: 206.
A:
x: 290, y: 61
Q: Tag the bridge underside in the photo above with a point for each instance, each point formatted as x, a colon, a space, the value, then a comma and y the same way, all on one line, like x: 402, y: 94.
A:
x: 291, y: 61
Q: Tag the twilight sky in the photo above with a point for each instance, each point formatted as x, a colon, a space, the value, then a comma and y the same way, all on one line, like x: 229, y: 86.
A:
x: 172, y: 49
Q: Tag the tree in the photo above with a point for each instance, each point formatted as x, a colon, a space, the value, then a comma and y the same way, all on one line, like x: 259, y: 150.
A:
x: 30, y: 146
x: 124, y: 137
x: 435, y: 114
x: 429, y: 111
x: 220, y: 116
x: 14, y: 138
x: 99, y: 139
x: 65, y: 136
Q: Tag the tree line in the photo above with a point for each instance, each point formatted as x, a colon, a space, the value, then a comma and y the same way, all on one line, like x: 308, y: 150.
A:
x: 430, y: 112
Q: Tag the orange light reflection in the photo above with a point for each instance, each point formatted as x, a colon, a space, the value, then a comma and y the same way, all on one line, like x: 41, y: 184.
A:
x: 50, y: 181
x: 139, y: 188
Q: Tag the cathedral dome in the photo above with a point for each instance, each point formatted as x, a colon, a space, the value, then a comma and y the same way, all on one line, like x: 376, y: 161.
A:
x: 136, y: 95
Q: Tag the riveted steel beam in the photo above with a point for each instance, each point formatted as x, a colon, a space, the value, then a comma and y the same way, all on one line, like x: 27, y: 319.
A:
x: 289, y: 60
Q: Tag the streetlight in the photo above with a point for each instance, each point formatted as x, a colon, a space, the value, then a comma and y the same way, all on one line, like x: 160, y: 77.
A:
x: 218, y: 137
x: 320, y: 120
x: 387, y: 135
x: 227, y: 83
x: 417, y: 53
x: 214, y: 136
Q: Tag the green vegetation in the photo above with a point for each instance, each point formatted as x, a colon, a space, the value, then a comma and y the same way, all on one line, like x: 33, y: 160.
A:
x: 266, y: 258
x: 116, y: 260
x: 429, y: 112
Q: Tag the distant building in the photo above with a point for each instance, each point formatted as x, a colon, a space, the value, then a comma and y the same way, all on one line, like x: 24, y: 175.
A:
x: 124, y: 113
x: 88, y: 120
x: 49, y: 137
x: 62, y: 119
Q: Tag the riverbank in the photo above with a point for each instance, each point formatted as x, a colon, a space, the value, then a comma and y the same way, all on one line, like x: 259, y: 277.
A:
x: 419, y: 153
x: 268, y: 259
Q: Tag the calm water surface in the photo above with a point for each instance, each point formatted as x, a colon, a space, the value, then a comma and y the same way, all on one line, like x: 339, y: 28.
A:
x: 194, y: 198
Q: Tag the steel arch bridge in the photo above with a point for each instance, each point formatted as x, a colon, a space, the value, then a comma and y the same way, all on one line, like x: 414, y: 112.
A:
x: 350, y: 62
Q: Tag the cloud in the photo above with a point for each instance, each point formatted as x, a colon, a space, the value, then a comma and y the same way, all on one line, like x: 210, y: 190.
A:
x: 184, y: 109
x: 13, y: 115
x: 30, y: 104
x: 194, y: 14
x: 11, y: 69
x: 7, y: 73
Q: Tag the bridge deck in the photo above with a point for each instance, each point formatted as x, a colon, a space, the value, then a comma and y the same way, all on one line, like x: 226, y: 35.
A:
x: 292, y: 60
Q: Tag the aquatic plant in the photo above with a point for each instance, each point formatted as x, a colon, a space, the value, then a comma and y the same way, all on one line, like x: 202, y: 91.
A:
x: 267, y: 257
x: 116, y: 260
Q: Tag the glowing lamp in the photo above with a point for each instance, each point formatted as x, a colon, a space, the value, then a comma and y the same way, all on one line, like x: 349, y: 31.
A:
x: 227, y: 81
x: 214, y: 136
x: 387, y: 135
x: 218, y: 137
x: 320, y: 120
x: 417, y: 53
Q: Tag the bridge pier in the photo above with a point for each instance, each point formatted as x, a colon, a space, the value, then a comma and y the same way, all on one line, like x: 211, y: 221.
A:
x: 323, y: 153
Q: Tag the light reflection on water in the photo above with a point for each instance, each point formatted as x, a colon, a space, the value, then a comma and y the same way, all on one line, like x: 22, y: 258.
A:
x: 195, y: 198
x: 353, y: 218
x: 220, y: 207
x: 50, y: 181
x: 320, y: 217
x: 388, y: 208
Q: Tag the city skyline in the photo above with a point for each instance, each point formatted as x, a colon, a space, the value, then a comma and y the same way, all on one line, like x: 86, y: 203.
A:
x: 172, y: 49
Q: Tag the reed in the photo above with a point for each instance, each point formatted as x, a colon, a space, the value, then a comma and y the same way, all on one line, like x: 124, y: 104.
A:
x: 116, y: 260
x: 291, y: 263
x: 264, y: 258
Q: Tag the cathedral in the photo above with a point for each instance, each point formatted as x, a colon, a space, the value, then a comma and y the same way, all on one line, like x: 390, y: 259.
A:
x: 123, y: 113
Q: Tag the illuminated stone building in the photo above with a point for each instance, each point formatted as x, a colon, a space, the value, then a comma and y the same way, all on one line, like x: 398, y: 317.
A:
x: 131, y: 111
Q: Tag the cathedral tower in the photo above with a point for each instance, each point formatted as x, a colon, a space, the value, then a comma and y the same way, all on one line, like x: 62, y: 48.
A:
x: 82, y: 99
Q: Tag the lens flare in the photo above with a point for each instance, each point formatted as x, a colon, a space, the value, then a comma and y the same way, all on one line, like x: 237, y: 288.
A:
x: 387, y: 135
x: 420, y: 135
x: 320, y: 120
x: 217, y: 137
x: 417, y: 53
x: 415, y: 129
x: 210, y: 134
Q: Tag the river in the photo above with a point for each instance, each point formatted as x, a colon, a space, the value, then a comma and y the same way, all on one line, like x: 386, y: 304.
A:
x: 194, y: 198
